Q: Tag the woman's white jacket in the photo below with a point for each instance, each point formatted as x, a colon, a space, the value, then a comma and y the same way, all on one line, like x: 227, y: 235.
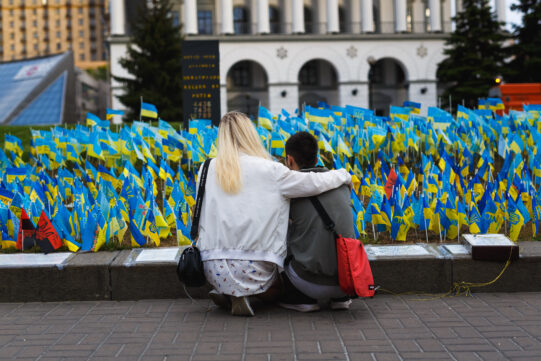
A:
x: 252, y: 224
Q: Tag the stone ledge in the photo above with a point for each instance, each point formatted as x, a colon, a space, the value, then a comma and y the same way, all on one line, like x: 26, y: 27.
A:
x: 151, y: 273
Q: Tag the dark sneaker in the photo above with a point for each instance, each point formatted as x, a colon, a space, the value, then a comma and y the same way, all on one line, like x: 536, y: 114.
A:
x: 220, y: 299
x: 294, y: 299
x: 240, y: 306
x: 340, y: 303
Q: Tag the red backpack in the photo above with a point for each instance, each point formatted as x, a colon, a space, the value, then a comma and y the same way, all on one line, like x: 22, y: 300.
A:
x: 354, y: 272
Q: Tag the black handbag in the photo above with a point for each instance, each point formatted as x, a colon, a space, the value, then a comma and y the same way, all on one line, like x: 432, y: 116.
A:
x: 190, y: 266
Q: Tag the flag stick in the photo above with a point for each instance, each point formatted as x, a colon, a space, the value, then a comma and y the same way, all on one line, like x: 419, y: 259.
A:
x: 426, y: 229
x: 439, y: 226
x: 374, y: 232
x: 458, y: 237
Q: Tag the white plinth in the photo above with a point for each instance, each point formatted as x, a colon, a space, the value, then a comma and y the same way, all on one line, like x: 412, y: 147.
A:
x: 159, y: 255
x: 33, y: 259
x: 397, y: 251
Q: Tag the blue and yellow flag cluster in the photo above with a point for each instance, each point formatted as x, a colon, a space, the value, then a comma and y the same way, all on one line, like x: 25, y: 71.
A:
x: 98, y: 186
x: 413, y: 175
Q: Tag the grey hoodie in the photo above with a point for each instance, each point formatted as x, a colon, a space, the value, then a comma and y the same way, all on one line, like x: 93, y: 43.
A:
x: 310, y: 246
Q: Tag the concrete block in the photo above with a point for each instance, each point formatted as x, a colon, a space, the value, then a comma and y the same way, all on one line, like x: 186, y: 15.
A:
x: 55, y: 277
x: 135, y: 275
x: 87, y: 276
x: 410, y: 268
x: 521, y: 276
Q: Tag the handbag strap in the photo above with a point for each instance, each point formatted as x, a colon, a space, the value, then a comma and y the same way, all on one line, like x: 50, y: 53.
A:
x: 329, y: 224
x: 194, y: 232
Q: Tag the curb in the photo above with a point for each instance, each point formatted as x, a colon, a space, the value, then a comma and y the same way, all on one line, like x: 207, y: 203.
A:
x: 151, y: 273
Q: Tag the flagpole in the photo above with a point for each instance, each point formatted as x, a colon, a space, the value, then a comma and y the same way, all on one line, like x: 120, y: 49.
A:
x: 439, y: 226
x: 458, y: 223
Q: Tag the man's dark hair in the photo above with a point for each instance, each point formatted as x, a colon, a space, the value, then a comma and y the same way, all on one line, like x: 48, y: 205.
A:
x: 302, y: 146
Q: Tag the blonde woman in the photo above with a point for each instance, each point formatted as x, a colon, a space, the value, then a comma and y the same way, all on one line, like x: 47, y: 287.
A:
x: 244, y: 216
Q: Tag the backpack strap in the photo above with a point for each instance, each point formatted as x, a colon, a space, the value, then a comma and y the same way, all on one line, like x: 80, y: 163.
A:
x: 329, y: 224
x: 194, y: 232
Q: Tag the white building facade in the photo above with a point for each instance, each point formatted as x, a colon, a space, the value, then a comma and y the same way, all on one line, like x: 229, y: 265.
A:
x: 286, y: 53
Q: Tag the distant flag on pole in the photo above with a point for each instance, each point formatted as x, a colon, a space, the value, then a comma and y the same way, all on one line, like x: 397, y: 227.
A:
x: 92, y: 119
x: 149, y: 110
x: 112, y: 112
x: 415, y: 107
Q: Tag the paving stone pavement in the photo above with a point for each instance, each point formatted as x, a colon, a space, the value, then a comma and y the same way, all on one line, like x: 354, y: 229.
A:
x: 485, y: 326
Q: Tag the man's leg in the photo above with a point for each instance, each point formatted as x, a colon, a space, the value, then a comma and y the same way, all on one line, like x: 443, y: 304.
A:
x: 293, y: 299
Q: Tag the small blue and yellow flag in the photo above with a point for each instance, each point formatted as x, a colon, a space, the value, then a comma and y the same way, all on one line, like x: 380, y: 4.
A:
x: 110, y: 113
x: 149, y: 110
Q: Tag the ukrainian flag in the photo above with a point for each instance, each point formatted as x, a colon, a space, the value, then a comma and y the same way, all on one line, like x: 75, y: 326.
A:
x: 264, y: 118
x: 415, y: 107
x: 110, y: 113
x: 149, y: 110
x: 92, y: 120
x: 14, y: 144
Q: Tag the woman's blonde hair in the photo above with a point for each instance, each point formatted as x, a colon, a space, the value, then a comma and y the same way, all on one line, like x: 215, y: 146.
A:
x: 236, y: 134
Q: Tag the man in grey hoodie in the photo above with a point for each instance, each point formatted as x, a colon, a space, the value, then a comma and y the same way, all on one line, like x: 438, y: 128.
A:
x: 310, y: 272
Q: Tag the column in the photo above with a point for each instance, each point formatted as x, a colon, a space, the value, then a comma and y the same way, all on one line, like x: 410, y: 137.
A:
x: 446, y: 16
x: 333, y: 20
x: 217, y: 18
x: 418, y: 16
x: 285, y: 16
x: 190, y: 17
x: 387, y: 16
x: 367, y: 16
x: 263, y: 22
x: 435, y: 15
x: 354, y: 16
x: 320, y: 16
x: 227, y: 17
x: 298, y: 16
x: 500, y: 10
x: 400, y: 16
x: 118, y: 18
x: 253, y: 17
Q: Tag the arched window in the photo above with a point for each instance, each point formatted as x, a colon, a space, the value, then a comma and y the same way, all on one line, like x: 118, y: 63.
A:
x: 387, y: 85
x: 318, y: 81
x: 247, y: 87
x: 240, y: 20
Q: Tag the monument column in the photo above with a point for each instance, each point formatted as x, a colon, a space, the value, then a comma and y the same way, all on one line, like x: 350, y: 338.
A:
x: 263, y: 21
x: 333, y: 19
x: 118, y: 18
x: 435, y: 15
x: 298, y: 16
x: 400, y: 16
x: 190, y: 17
x: 227, y: 17
x: 367, y: 16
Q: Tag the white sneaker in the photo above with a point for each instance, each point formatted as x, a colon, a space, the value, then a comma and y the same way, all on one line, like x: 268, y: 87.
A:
x: 301, y: 307
x: 340, y: 305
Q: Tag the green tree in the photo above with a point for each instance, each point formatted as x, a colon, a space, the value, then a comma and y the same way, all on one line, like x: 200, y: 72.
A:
x: 475, y: 54
x: 526, y: 63
x: 154, y: 59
